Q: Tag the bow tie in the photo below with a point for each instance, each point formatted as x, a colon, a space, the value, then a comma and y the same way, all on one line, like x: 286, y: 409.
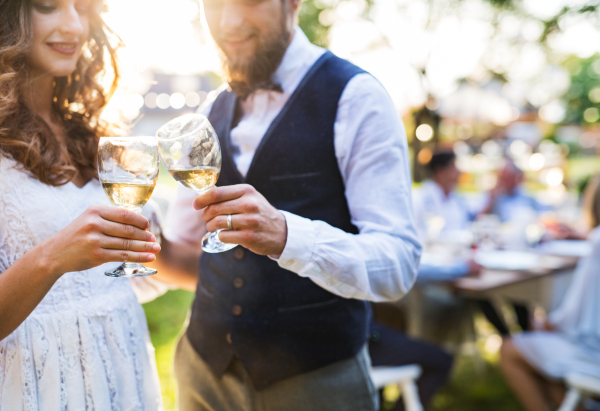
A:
x: 270, y: 86
x: 243, y: 90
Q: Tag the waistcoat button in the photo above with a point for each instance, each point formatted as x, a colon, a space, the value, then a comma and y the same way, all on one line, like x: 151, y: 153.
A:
x: 236, y: 310
x: 238, y: 283
x: 238, y: 254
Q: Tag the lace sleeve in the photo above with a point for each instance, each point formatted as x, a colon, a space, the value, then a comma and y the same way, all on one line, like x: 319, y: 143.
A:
x: 15, y: 237
x: 4, y: 260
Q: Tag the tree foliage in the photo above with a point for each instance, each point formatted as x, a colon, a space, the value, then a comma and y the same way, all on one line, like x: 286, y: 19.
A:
x: 309, y: 22
x: 584, y: 93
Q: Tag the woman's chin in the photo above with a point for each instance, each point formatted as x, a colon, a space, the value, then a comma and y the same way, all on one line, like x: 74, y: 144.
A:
x: 63, y: 72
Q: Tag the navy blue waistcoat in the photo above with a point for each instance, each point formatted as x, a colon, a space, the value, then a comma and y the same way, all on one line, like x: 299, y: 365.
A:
x: 278, y: 323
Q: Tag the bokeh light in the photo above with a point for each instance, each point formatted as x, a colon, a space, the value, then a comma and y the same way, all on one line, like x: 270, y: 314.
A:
x: 163, y: 101
x: 177, y: 101
x: 591, y: 115
x: 536, y: 161
x: 424, y: 132
x: 555, y: 177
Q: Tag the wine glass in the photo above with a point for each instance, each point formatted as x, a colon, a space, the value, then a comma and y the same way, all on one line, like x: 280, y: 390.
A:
x: 190, y: 150
x: 128, y: 169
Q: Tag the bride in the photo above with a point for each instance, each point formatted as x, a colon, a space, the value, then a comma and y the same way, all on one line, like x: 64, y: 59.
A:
x: 70, y: 337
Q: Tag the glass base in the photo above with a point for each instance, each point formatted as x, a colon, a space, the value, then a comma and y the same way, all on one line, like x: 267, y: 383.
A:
x: 131, y: 270
x: 212, y: 244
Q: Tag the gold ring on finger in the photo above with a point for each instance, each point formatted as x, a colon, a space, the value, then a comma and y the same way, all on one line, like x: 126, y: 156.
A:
x: 229, y: 224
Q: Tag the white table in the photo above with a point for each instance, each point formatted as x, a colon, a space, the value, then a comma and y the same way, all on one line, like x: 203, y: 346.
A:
x: 535, y: 287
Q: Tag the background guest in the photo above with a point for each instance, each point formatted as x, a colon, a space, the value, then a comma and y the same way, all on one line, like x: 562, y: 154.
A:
x: 508, y: 200
x: 437, y: 197
x: 535, y: 362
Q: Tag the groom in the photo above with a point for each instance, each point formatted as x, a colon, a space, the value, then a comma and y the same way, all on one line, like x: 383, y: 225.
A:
x: 315, y: 188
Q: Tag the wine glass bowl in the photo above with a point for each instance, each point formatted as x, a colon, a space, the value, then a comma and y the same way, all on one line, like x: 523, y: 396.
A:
x: 190, y: 151
x: 128, y: 170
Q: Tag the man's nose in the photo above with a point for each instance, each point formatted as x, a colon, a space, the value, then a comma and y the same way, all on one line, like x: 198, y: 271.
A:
x: 232, y: 17
x: 70, y: 24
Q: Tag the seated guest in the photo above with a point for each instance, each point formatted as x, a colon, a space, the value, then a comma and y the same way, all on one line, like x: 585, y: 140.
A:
x: 508, y: 200
x: 436, y: 197
x: 388, y: 347
x: 535, y: 362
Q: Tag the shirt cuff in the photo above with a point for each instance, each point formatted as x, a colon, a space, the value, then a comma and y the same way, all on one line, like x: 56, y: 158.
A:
x: 299, y: 245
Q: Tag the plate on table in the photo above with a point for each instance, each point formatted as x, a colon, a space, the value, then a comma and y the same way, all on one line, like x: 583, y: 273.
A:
x: 567, y: 248
x: 507, y: 260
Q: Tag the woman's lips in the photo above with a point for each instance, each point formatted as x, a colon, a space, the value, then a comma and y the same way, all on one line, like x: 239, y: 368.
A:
x: 64, y: 48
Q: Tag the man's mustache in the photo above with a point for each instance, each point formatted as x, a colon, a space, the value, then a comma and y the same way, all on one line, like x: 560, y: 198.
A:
x: 235, y: 36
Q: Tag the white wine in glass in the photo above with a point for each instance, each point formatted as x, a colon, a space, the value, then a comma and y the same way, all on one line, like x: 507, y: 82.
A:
x: 199, y: 179
x: 131, y: 196
x: 190, y: 150
x: 128, y: 169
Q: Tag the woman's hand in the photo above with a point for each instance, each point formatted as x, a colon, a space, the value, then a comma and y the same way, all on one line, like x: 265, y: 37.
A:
x: 100, y: 235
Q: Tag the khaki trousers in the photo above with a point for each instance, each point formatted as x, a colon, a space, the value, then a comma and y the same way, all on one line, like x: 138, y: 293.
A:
x: 342, y: 386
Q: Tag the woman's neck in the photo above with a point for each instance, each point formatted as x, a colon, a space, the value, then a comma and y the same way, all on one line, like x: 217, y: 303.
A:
x: 37, y: 93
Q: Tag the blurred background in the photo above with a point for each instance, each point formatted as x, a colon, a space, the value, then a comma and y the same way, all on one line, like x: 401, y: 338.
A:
x: 487, y: 79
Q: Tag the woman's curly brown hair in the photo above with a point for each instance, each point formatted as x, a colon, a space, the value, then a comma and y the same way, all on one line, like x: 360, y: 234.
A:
x: 77, y: 101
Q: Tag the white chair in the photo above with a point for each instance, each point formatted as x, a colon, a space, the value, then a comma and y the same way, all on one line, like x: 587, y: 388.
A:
x: 579, y: 386
x: 405, y: 376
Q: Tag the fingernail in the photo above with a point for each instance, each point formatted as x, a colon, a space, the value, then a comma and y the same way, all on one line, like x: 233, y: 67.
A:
x: 156, y: 247
x: 150, y: 257
x: 152, y: 238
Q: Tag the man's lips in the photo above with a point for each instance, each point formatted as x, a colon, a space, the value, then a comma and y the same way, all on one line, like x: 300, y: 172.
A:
x: 237, y: 43
x: 67, y: 48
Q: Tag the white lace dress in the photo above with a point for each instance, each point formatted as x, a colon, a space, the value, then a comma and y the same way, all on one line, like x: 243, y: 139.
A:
x: 86, y: 345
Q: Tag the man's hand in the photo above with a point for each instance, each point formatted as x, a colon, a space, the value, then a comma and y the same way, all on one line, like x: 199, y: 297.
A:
x: 543, y: 326
x: 474, y: 269
x: 257, y: 225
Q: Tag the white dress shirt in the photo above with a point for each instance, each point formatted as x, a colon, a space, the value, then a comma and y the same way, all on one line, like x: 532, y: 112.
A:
x: 430, y: 201
x: 381, y: 262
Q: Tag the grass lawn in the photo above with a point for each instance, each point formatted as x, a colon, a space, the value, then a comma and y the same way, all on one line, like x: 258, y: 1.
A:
x: 474, y: 385
x: 166, y: 316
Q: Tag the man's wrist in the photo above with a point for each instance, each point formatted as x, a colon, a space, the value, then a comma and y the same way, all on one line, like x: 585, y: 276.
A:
x: 300, y: 243
x: 282, y: 241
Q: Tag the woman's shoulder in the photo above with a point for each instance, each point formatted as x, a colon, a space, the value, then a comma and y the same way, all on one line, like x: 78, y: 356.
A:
x: 8, y: 165
x: 11, y: 170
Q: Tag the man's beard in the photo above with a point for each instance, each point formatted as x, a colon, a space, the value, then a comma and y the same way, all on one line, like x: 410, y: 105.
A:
x: 255, y: 73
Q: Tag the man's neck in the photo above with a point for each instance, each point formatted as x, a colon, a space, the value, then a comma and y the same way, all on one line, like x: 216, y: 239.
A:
x: 444, y: 189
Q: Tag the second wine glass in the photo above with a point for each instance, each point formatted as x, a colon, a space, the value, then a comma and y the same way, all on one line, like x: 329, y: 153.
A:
x: 128, y: 170
x: 190, y: 150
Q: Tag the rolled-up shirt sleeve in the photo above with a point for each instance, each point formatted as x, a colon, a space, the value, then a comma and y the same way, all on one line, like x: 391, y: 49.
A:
x: 381, y: 262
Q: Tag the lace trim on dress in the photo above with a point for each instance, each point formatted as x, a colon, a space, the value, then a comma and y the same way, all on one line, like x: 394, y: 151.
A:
x: 17, y: 236
x: 28, y: 377
x: 135, y: 346
x: 41, y: 348
x: 110, y: 375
